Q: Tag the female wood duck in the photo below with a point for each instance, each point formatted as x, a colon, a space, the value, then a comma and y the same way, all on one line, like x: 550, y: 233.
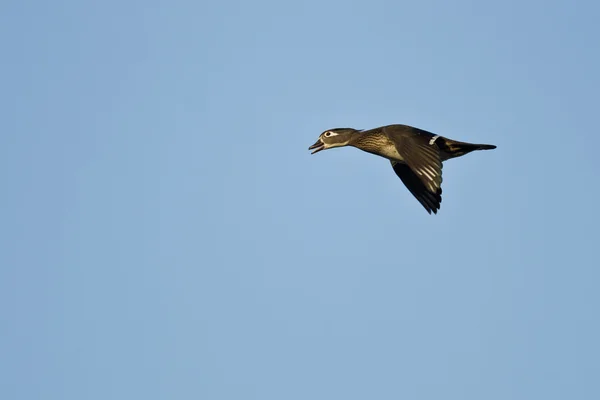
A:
x: 416, y: 155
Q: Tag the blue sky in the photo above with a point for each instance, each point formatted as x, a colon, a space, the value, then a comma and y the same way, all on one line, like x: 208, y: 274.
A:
x: 165, y: 233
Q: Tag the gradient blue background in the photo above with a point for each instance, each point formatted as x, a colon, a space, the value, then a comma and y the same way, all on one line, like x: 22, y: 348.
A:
x: 165, y: 234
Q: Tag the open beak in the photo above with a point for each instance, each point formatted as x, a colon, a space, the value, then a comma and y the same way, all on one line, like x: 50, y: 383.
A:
x: 317, y: 146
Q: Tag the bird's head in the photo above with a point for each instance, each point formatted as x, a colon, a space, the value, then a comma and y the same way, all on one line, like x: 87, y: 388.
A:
x: 331, y: 138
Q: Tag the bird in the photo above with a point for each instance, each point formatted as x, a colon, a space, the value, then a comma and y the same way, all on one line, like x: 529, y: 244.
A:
x: 416, y: 155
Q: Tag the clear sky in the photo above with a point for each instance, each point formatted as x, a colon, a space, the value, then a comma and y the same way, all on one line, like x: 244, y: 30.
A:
x: 166, y: 234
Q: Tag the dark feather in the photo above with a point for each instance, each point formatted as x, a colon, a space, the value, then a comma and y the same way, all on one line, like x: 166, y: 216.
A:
x: 422, y: 157
x: 431, y: 201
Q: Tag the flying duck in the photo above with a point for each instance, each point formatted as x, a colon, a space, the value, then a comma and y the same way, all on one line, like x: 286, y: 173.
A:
x: 416, y: 155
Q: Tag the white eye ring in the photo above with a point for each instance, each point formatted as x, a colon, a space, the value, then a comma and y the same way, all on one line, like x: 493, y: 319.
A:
x: 327, y: 134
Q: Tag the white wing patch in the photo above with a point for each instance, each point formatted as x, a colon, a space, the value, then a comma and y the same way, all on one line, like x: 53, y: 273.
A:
x: 433, y: 139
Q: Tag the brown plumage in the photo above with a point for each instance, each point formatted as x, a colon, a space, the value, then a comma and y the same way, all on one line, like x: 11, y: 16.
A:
x: 416, y: 155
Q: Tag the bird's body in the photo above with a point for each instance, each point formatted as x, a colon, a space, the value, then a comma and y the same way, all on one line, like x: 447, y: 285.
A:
x: 415, y: 154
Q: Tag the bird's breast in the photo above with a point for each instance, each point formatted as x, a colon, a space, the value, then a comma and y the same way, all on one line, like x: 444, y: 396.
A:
x: 379, y: 145
x: 389, y: 151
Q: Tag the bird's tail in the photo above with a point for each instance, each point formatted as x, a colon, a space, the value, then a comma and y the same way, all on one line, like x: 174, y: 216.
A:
x: 453, y: 148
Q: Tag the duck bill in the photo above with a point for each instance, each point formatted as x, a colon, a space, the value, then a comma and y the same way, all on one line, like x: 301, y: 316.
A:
x: 317, y: 147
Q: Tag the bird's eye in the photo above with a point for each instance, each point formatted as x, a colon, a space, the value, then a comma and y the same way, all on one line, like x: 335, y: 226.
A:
x: 327, y: 134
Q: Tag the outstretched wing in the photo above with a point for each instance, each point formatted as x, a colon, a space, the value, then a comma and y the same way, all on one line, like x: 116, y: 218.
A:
x: 419, y: 150
x: 430, y: 200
